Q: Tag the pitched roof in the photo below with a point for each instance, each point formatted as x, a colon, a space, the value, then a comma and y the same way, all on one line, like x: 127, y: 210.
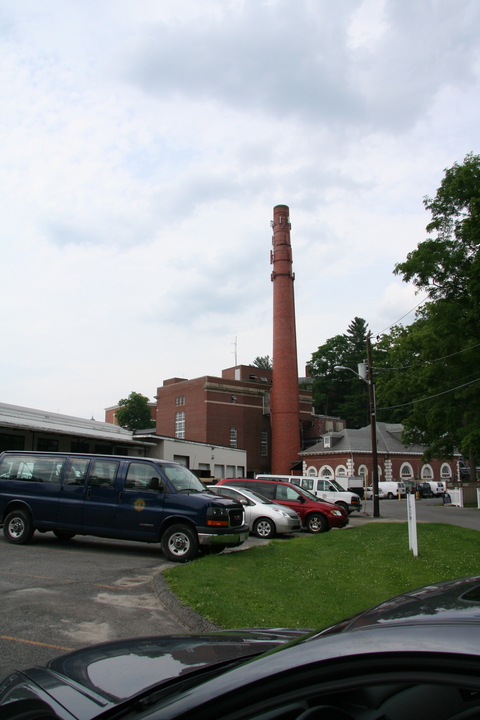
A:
x: 350, y: 441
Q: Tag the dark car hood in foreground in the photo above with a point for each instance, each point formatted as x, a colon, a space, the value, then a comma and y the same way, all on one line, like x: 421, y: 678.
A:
x: 440, y: 618
x: 89, y: 681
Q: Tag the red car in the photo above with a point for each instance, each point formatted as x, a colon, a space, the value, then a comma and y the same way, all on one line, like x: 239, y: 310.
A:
x: 316, y: 515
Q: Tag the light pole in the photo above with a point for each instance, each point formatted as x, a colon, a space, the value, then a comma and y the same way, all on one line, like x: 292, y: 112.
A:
x: 362, y: 371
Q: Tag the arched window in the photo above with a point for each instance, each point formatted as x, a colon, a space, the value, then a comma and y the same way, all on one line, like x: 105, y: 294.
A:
x: 326, y: 472
x: 406, y: 472
x: 445, y: 471
x: 312, y: 471
x: 341, y: 471
x: 427, y: 472
x: 362, y: 471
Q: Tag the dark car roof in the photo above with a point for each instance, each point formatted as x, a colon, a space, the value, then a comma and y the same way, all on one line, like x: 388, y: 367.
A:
x: 453, y: 600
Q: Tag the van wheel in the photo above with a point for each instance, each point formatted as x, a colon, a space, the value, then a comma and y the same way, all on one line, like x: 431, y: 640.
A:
x: 63, y: 534
x: 264, y: 528
x: 344, y: 506
x: 316, y: 523
x: 18, y: 527
x: 389, y: 496
x: 179, y: 543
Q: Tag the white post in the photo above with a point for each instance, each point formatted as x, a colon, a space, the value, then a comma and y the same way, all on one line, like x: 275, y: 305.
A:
x: 412, y: 524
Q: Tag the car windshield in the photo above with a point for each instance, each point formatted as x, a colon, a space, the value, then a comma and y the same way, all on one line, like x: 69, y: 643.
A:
x: 182, y: 479
x: 308, y: 494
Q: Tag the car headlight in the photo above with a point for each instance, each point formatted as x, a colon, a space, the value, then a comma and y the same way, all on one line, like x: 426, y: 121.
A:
x: 336, y: 512
x: 281, y: 512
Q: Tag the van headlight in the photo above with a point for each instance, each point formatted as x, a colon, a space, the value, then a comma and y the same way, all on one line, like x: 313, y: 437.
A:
x: 217, y: 516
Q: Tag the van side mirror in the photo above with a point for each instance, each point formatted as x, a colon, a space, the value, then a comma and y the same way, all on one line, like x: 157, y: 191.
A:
x: 156, y: 484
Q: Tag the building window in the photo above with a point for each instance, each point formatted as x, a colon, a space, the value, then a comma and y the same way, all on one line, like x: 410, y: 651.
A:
x: 79, y: 447
x: 103, y: 449
x: 180, y: 425
x: 327, y: 442
x: 326, y: 472
x: 446, y: 471
x: 341, y: 471
x: 363, y: 472
x: 406, y: 471
x: 47, y: 445
x: 11, y: 442
x: 264, y: 443
x: 427, y: 472
x: 182, y: 460
x: 233, y: 437
x: 180, y: 400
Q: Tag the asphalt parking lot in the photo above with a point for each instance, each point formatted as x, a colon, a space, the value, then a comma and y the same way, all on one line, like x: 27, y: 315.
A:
x: 61, y: 596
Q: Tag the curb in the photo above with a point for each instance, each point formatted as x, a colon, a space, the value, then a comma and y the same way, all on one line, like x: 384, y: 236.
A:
x: 191, y: 620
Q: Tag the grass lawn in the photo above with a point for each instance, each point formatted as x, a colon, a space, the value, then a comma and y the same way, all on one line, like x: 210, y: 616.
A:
x: 316, y: 580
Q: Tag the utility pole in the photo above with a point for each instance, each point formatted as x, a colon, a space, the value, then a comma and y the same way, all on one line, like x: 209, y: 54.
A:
x: 373, y: 425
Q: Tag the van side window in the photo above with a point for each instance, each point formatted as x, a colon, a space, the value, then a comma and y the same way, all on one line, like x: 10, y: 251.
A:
x: 32, y: 468
x: 139, y: 476
x: 77, y: 472
x: 103, y: 473
x: 307, y: 484
x: 266, y: 489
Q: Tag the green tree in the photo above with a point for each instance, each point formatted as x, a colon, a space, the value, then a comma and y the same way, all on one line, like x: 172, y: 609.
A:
x: 265, y: 362
x: 437, y: 356
x: 134, y: 412
x: 340, y: 393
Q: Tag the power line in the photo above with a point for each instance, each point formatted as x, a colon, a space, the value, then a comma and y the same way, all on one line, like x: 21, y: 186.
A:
x: 427, y: 362
x: 430, y: 397
x: 397, y: 321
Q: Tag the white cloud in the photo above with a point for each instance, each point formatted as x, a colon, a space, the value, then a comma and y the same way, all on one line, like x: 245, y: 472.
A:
x: 144, y: 146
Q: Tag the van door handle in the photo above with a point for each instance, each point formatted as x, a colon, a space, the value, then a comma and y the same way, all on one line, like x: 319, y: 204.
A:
x: 120, y: 496
x: 89, y: 492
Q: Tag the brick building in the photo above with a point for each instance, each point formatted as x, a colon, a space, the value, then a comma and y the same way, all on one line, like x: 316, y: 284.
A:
x: 349, y: 452
x: 233, y: 411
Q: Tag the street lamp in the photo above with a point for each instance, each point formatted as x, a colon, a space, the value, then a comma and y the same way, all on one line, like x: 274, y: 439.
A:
x: 365, y: 373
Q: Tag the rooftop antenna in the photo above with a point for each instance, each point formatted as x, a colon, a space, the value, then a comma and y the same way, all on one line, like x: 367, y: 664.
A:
x: 235, y: 349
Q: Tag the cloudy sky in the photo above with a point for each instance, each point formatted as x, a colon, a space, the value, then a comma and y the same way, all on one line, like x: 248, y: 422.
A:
x: 144, y: 145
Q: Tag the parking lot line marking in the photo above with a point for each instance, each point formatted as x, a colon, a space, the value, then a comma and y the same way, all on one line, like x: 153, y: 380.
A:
x: 66, y: 580
x: 34, y: 642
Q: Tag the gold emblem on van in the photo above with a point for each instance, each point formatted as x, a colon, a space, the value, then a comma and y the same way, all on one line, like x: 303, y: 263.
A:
x: 139, y: 504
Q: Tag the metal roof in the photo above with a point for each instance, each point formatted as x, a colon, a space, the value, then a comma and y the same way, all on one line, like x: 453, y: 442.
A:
x: 22, y: 418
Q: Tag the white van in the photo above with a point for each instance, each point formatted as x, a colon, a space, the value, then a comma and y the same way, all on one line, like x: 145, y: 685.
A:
x: 392, y: 489
x: 322, y: 488
x: 438, y: 488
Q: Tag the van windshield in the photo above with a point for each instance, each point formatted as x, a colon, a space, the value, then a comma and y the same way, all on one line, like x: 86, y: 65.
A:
x: 182, y: 479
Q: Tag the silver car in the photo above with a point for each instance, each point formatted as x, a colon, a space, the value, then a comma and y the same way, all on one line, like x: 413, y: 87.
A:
x: 264, y: 517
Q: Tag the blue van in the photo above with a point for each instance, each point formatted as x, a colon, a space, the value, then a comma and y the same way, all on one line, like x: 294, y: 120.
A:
x: 119, y: 497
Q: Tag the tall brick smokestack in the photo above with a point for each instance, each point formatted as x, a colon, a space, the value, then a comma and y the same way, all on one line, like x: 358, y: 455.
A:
x: 284, y: 402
